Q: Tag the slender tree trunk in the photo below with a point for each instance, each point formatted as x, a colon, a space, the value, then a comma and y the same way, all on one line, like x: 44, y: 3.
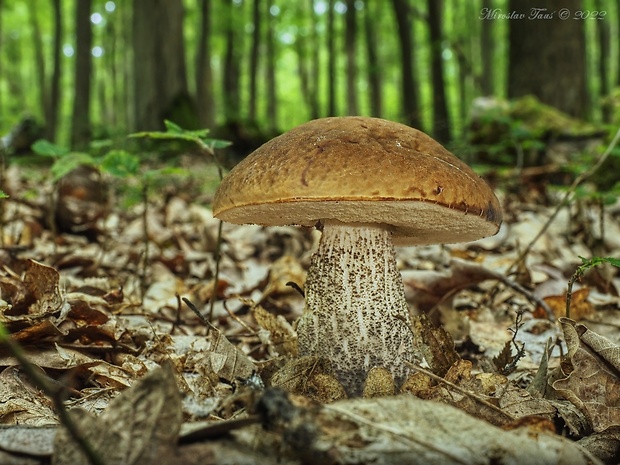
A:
x: 232, y: 66
x: 1, y: 65
x: 254, y: 54
x: 487, y: 49
x: 272, y: 97
x: 350, y: 48
x: 160, y: 75
x: 409, y: 87
x: 307, y: 60
x: 205, y: 99
x: 331, y: 60
x: 547, y: 58
x: 51, y: 118
x: 315, y: 65
x: 373, y: 67
x: 604, y: 64
x: 37, y: 41
x: 80, y: 125
x: 618, y: 48
x: 441, y: 119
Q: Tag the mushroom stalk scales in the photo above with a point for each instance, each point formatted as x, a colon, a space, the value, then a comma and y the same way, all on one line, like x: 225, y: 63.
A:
x: 356, y: 314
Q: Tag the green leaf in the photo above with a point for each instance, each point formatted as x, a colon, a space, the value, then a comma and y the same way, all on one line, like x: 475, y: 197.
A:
x: 588, y: 263
x: 176, y: 132
x: 3, y: 195
x: 48, y: 149
x: 120, y: 163
x: 69, y: 162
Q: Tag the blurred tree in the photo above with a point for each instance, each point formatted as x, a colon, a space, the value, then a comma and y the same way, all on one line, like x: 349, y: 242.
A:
x: 159, y: 71
x: 604, y: 59
x: 205, y: 99
x: 80, y: 120
x: 350, y: 41
x: 332, y: 109
x: 37, y: 41
x: 441, y: 119
x: 409, y: 87
x: 233, y: 57
x: 547, y: 56
x: 51, y: 115
x: 254, y: 55
x: 308, y: 57
x: 271, y: 94
x: 487, y: 40
x: 373, y: 67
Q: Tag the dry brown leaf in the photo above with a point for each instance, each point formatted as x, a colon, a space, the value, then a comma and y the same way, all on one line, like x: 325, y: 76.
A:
x: 425, y: 288
x: 405, y: 430
x: 284, y: 270
x: 139, y: 427
x: 437, y: 346
x: 592, y: 377
x: 22, y: 404
x: 580, y: 307
x: 280, y: 337
x: 26, y: 441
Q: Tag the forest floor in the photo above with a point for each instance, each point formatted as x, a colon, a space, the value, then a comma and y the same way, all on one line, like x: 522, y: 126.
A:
x: 109, y: 352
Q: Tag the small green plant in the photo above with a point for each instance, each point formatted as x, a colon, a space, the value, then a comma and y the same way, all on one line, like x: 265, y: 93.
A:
x: 199, y: 140
x: 64, y: 160
x: 586, y: 264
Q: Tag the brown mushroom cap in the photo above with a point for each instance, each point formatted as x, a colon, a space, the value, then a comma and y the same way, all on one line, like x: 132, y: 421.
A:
x: 360, y: 170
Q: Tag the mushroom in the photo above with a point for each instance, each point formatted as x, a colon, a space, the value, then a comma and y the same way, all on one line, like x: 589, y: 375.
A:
x: 369, y: 184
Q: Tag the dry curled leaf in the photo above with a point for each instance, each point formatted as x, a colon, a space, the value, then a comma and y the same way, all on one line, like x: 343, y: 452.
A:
x: 139, y: 427
x: 280, y: 335
x: 591, y: 375
x: 405, y: 430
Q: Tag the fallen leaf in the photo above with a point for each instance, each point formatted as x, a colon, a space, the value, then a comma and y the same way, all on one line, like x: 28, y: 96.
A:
x: 591, y: 375
x: 139, y: 427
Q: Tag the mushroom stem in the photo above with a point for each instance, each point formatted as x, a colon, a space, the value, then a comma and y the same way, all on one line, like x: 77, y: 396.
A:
x: 356, y: 315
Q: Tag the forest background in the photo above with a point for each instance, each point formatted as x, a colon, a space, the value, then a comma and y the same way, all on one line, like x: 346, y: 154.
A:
x: 247, y: 69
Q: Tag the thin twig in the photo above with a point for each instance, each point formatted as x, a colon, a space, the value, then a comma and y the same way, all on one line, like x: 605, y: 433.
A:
x: 473, y: 395
x: 571, y: 190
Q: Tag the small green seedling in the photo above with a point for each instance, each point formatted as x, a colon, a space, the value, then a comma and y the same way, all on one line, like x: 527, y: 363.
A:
x: 586, y: 264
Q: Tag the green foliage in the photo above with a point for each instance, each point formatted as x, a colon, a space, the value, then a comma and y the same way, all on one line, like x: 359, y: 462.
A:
x: 3, y: 195
x: 64, y: 160
x: 174, y: 132
x: 586, y: 264
x: 45, y: 148
x: 120, y: 164
x: 589, y: 263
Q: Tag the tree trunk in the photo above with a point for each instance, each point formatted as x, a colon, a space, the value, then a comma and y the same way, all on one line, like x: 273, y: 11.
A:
x: 618, y: 48
x: 232, y: 66
x: 51, y: 118
x: 205, y: 100
x: 272, y: 97
x: 350, y: 49
x: 604, y: 64
x: 373, y: 66
x: 307, y: 60
x: 254, y: 54
x: 315, y: 65
x: 160, y: 75
x: 37, y: 42
x: 547, y: 57
x: 331, y: 61
x: 409, y: 87
x: 80, y: 124
x: 441, y: 119
x: 487, y: 52
x: 1, y: 74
